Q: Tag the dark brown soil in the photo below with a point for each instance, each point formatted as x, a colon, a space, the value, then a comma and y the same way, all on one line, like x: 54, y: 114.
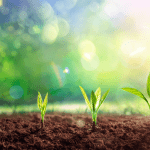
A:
x: 73, y: 132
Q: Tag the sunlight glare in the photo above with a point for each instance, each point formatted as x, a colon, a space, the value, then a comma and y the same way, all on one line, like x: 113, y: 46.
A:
x: 66, y: 70
x: 1, y: 3
x: 90, y: 64
x: 88, y: 56
x: 49, y: 33
x: 87, y: 46
x: 133, y: 53
x: 111, y: 9
x: 140, y: 49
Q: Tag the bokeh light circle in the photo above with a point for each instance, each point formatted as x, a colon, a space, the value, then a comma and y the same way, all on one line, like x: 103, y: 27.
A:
x: 87, y: 46
x: 23, y: 15
x: 49, y: 33
x: 90, y: 64
x: 111, y: 9
x: 16, y: 91
x: 63, y: 27
x: 45, y: 11
x: 133, y: 54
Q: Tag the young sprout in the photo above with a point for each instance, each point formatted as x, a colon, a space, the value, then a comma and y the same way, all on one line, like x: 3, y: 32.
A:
x: 138, y: 93
x: 95, y: 103
x: 42, y: 106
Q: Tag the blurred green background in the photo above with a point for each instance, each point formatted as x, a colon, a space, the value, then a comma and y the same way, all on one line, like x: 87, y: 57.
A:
x: 55, y: 46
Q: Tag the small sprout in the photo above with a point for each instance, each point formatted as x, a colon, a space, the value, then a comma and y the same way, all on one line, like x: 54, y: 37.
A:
x: 42, y: 105
x: 95, y: 103
x: 138, y: 93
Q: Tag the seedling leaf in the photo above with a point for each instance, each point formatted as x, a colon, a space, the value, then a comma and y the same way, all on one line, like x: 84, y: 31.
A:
x: 135, y: 92
x: 86, y: 98
x: 46, y: 100
x: 98, y: 95
x: 148, y: 85
x: 102, y: 99
x: 39, y: 100
x: 42, y: 105
x: 93, y: 100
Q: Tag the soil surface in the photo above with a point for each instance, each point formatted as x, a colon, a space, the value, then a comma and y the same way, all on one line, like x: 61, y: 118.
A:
x: 65, y: 131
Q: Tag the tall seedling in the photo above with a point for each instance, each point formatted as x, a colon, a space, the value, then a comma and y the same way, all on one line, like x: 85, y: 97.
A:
x: 42, y: 106
x: 95, y: 103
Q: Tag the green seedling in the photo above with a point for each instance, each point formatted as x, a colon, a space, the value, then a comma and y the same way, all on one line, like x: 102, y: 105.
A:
x: 95, y: 103
x: 138, y: 93
x: 42, y: 105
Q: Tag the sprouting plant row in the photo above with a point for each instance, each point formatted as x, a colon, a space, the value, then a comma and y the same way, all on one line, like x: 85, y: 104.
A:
x: 95, y: 100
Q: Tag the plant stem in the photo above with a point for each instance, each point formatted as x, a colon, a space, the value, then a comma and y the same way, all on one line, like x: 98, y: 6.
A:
x: 42, y: 124
x: 93, y: 127
x: 94, y: 116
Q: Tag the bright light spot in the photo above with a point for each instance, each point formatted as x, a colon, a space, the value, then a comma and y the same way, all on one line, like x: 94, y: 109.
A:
x: 63, y: 27
x: 36, y: 29
x: 134, y: 54
x: 91, y: 64
x: 87, y: 56
x: 16, y: 92
x: 129, y: 46
x: 94, y: 6
x: 140, y: 49
x: 111, y: 10
x: 49, y: 33
x: 66, y: 70
x: 1, y: 3
x: 87, y: 47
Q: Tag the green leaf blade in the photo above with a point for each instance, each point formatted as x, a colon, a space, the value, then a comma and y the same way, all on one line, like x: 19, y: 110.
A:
x: 39, y: 101
x: 98, y: 96
x: 148, y: 85
x: 86, y: 98
x: 102, y: 99
x: 93, y: 100
x: 45, y: 101
x: 136, y: 92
